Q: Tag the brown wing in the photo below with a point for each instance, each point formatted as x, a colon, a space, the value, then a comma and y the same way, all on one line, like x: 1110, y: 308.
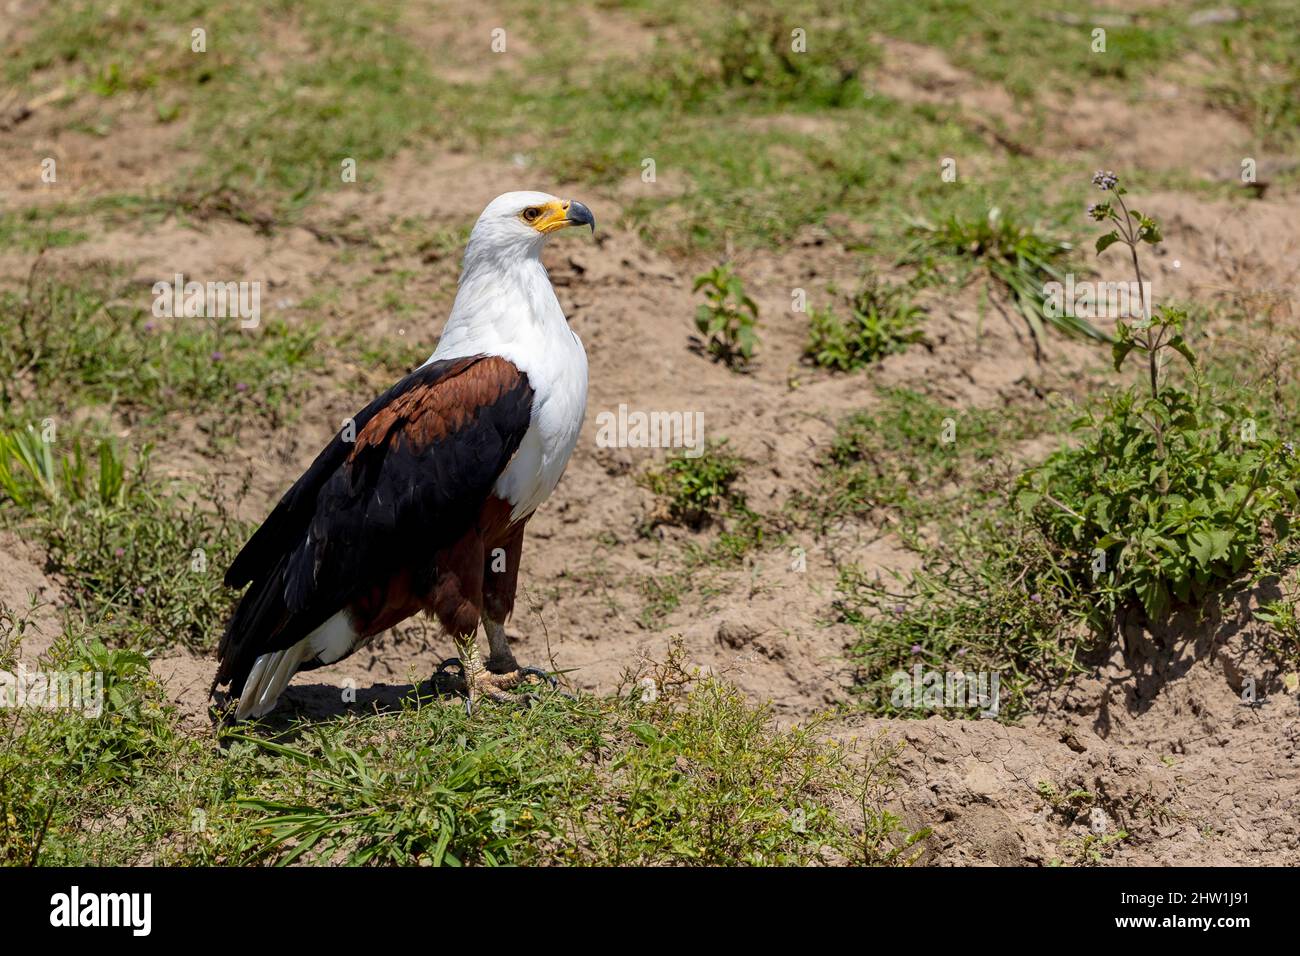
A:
x: 425, y: 457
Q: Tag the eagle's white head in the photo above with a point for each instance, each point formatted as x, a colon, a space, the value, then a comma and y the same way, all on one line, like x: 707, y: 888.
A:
x: 505, y: 300
x: 515, y: 226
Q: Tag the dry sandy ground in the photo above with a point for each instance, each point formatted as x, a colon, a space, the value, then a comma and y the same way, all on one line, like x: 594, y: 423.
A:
x: 1157, y: 731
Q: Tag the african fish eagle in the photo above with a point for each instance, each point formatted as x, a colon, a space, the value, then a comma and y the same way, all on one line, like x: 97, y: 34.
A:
x: 420, y: 503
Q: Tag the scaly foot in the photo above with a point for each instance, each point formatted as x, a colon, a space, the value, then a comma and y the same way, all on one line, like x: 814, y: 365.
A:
x: 491, y: 681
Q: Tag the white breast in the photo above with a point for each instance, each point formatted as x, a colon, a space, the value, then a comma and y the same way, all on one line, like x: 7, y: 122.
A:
x: 559, y: 382
x: 521, y: 321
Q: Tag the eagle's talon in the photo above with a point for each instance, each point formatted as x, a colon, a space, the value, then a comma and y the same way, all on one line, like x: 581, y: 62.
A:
x: 505, y: 666
x: 538, y: 672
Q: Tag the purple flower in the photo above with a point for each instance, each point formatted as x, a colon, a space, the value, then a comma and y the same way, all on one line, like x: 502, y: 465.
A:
x: 241, y: 386
x: 1036, y: 598
x: 916, y: 648
x: 1105, y: 180
x: 900, y: 609
x: 1097, y: 210
x: 962, y: 652
x: 118, y: 552
x: 139, y: 591
x: 148, y: 326
x: 216, y: 356
x: 1288, y: 447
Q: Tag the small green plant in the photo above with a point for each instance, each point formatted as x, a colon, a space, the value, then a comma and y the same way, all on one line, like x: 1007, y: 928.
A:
x: 1072, y: 808
x: 754, y: 50
x: 1092, y: 849
x: 696, y: 489
x: 1283, y: 620
x: 55, y: 760
x: 882, y: 321
x: 1173, y: 489
x: 1017, y: 258
x: 31, y: 475
x: 727, y: 320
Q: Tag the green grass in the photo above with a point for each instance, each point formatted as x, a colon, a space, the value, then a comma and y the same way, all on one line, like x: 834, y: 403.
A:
x: 909, y: 458
x: 1018, y: 259
x: 364, y: 94
x: 707, y: 191
x: 90, y: 341
x: 57, y: 763
x: 994, y: 40
x: 989, y: 597
x: 34, y: 229
x: 1031, y: 49
x: 746, y: 149
x: 1258, y: 70
x: 141, y: 558
x: 270, y: 126
x: 695, y: 775
x: 270, y: 130
x: 988, y: 594
x: 33, y: 477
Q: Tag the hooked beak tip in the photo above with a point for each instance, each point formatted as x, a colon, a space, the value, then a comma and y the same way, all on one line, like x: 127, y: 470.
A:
x: 580, y: 215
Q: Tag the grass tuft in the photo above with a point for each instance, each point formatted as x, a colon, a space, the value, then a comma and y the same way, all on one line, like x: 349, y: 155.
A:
x: 882, y: 321
x: 1018, y: 260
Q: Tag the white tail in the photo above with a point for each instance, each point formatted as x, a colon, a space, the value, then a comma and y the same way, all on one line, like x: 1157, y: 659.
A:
x: 267, y: 680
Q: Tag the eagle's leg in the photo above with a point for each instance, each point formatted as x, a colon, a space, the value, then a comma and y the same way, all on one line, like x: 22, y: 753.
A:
x: 501, y: 660
x: 477, y: 581
x: 457, y: 602
x: 500, y: 582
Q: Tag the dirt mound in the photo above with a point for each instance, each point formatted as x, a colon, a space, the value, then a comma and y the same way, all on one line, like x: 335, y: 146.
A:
x: 1186, y: 741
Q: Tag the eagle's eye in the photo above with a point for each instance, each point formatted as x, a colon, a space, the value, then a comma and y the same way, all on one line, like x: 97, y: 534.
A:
x: 531, y: 214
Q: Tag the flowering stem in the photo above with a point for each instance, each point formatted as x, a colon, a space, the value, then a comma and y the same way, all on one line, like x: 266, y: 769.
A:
x: 1152, y: 339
